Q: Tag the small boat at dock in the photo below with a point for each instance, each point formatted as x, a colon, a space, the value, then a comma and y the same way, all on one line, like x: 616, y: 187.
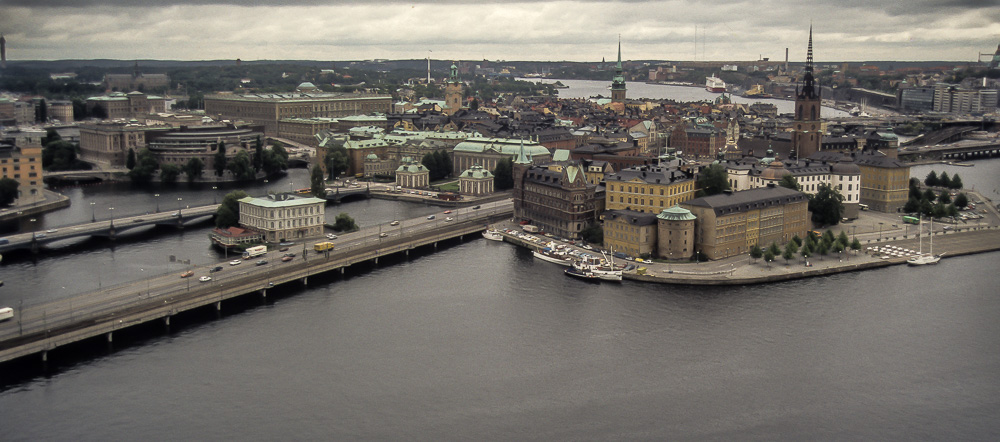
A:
x: 554, y: 256
x: 493, y: 235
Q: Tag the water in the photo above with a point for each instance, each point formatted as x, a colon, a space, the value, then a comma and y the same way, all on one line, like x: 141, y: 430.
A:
x: 481, y: 341
x: 593, y: 88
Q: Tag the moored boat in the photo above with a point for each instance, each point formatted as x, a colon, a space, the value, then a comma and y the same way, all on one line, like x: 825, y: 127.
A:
x: 582, y: 274
x: 595, y: 266
x: 924, y: 258
x: 551, y: 255
x: 492, y: 235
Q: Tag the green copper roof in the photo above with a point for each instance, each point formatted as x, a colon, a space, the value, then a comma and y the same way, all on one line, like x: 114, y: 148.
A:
x: 676, y: 213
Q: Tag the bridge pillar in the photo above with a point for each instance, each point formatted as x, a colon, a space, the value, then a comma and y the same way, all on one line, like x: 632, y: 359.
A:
x: 376, y: 260
x: 305, y: 280
x: 166, y: 321
x: 109, y: 338
x: 407, y: 252
x: 218, y: 306
x: 45, y: 356
x: 435, y: 244
x: 342, y: 269
x: 263, y: 293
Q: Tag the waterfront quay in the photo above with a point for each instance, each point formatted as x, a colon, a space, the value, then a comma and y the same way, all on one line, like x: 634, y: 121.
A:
x: 101, y: 313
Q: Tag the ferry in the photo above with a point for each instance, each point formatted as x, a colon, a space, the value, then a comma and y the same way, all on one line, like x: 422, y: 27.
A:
x: 552, y: 255
x: 492, y: 235
x: 715, y: 84
x: 598, y: 267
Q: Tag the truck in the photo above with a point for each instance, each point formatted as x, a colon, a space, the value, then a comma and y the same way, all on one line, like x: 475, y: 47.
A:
x: 530, y: 228
x: 254, y: 251
x: 321, y: 247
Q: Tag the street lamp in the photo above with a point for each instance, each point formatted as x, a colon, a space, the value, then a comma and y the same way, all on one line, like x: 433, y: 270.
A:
x: 112, y: 211
x: 157, y: 197
x: 32, y: 220
x: 880, y: 231
x: 179, y: 206
x: 93, y: 213
x: 215, y: 195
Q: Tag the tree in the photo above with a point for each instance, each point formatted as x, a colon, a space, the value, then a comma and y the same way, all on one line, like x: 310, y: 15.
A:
x: 789, y: 181
x: 768, y: 257
x: 774, y: 249
x: 929, y: 195
x: 788, y: 255
x: 806, y: 252
x: 826, y: 205
x: 912, y: 205
x: 593, y: 234
x: 712, y: 180
x: 756, y: 253
x: 951, y: 210
x: 856, y: 245
x: 822, y: 249
x: 169, y: 173
x: 274, y: 162
x: 241, y: 167
x: 146, y: 165
x: 42, y: 112
x: 503, y: 175
x: 797, y: 241
x: 8, y: 190
x: 961, y: 200
x: 944, y: 180
x: 317, y: 185
x: 193, y: 169
x: 336, y: 161
x: 258, y: 154
x: 61, y: 155
x: 956, y: 182
x: 944, y: 198
x: 474, y: 105
x: 915, y: 188
x: 828, y: 237
x: 130, y: 159
x: 228, y: 213
x: 220, y: 158
x: 344, y: 223
x: 931, y: 180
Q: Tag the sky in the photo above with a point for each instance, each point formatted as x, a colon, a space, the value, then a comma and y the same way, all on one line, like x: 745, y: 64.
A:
x: 573, y: 30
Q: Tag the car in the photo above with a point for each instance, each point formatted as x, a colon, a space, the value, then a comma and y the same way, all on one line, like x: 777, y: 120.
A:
x: 205, y: 278
x: 588, y: 247
x: 215, y: 269
x: 187, y: 274
x: 331, y: 236
x: 430, y: 216
x: 261, y: 262
x: 52, y: 231
x: 383, y: 235
x: 287, y: 258
x: 290, y: 254
x: 138, y: 220
x: 476, y: 207
x: 283, y: 249
x: 449, y: 219
x: 394, y: 223
x: 40, y: 235
x: 948, y: 228
x: 447, y: 212
x: 235, y: 262
x: 178, y: 213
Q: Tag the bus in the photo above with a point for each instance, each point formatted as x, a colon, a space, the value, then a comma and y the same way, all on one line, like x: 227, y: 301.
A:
x: 911, y: 220
x: 254, y: 251
x: 321, y: 247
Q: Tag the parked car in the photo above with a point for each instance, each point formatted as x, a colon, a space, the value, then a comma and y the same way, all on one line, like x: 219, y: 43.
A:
x: 383, y: 235
x: 430, y: 216
x: 331, y: 236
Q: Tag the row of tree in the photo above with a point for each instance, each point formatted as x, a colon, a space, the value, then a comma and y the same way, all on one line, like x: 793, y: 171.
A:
x: 812, y: 245
x: 438, y: 164
x: 59, y: 154
x: 143, y: 166
x: 930, y: 204
x: 935, y: 180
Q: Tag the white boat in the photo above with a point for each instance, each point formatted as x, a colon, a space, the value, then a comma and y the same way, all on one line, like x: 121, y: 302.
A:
x: 715, y: 84
x: 6, y: 313
x: 924, y: 258
x: 551, y: 255
x: 582, y: 274
x: 492, y: 235
x: 599, y: 268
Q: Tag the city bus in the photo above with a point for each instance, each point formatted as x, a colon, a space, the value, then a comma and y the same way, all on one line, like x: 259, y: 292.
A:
x: 911, y: 220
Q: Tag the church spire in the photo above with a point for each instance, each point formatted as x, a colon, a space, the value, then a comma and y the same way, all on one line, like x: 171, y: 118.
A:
x: 521, y: 158
x: 618, y: 82
x: 809, y: 89
x: 809, y: 54
x: 620, y: 50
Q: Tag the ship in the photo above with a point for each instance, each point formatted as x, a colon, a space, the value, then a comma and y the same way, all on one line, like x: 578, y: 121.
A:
x: 554, y: 256
x: 756, y: 91
x: 715, y: 84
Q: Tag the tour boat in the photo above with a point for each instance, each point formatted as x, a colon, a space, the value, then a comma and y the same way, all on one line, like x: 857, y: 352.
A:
x: 597, y: 267
x: 492, y: 235
x: 552, y: 255
x: 582, y: 274
x: 924, y: 258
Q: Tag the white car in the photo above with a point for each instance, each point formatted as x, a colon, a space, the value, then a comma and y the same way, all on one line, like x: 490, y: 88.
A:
x: 52, y: 231
x: 235, y: 262
x: 205, y: 278
x: 331, y: 236
x: 449, y: 219
x: 394, y: 223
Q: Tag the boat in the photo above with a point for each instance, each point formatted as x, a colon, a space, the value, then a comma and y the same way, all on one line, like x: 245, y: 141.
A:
x: 756, y: 91
x: 492, y: 235
x: 582, y: 274
x: 924, y: 258
x: 598, y: 267
x: 554, y: 256
x: 715, y: 84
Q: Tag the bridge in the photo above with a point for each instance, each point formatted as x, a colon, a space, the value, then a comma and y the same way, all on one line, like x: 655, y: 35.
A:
x: 962, y: 150
x: 103, y: 312
x: 109, y: 228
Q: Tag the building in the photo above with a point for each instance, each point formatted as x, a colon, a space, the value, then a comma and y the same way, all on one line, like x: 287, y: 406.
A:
x: 21, y: 160
x: 118, y: 105
x: 630, y: 232
x: 136, y: 81
x: 412, y: 174
x: 234, y: 236
x: 487, y: 152
x: 558, y: 200
x: 304, y: 130
x: 453, y: 93
x: 731, y: 223
x: 283, y: 217
x: 807, y: 135
x: 916, y: 99
x: 107, y: 143
x: 885, y: 181
x: 61, y: 110
x: 177, y: 146
x: 952, y: 98
x: 675, y: 233
x: 618, y: 82
x: 648, y: 189
x: 476, y: 181
x: 269, y: 109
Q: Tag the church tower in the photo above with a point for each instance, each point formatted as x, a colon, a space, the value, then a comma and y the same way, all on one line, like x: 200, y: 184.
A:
x: 807, y: 137
x: 453, y: 92
x: 3, y: 52
x: 618, y: 82
x: 520, y: 168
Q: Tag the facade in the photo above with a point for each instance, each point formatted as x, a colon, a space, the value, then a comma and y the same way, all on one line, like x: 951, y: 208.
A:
x: 304, y: 130
x: 375, y: 166
x: 118, y: 105
x: 952, y: 98
x: 412, y: 174
x: 453, y: 93
x: 61, y: 110
x: 807, y: 135
x: 648, y: 189
x: 476, y: 181
x: 487, y: 152
x: 108, y: 143
x: 916, y: 99
x: 558, y: 200
x: 136, y: 81
x: 177, y: 146
x: 21, y: 160
x: 731, y: 223
x: 283, y: 217
x: 234, y: 236
x: 885, y: 181
x: 630, y: 232
x: 269, y: 109
x: 675, y: 233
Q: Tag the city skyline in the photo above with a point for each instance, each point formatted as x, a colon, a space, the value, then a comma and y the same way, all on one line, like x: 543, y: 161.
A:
x: 578, y: 30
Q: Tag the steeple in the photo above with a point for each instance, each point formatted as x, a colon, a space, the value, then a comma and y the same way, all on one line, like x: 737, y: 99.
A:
x: 618, y: 82
x: 809, y: 89
x: 620, y: 51
x: 521, y: 157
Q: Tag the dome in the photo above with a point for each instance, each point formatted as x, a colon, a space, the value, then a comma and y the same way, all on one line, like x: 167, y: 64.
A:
x: 371, y: 156
x: 676, y: 213
x: 775, y: 171
x: 845, y: 167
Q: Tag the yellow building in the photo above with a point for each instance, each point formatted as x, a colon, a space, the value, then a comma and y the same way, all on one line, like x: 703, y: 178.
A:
x: 21, y: 160
x: 885, y: 182
x: 269, y: 109
x: 731, y: 223
x: 630, y: 232
x: 648, y: 189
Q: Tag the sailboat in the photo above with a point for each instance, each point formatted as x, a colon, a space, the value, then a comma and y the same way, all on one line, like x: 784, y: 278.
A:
x: 924, y: 258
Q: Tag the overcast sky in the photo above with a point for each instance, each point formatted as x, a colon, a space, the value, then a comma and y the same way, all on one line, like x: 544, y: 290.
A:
x: 576, y: 30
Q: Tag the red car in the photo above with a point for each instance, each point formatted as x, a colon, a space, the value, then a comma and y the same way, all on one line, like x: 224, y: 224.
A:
x: 447, y: 212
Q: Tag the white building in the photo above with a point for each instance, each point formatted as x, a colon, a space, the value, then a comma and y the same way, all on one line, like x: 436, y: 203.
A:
x: 283, y: 217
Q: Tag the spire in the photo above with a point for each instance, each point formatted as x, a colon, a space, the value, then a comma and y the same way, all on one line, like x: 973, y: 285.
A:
x: 809, y: 89
x: 521, y: 158
x: 620, y: 49
x: 809, y: 54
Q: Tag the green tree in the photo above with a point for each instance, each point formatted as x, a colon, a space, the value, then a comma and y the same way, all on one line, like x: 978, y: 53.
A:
x: 944, y: 180
x: 258, y: 154
x: 145, y: 167
x: 756, y: 253
x: 961, y: 200
x: 939, y: 211
x: 61, y: 155
x: 843, y: 239
x: 274, y: 161
x: 193, y: 169
x: 336, y: 161
x: 929, y: 195
x: 228, y: 213
x: 956, y: 182
x: 797, y: 240
x: 241, y: 167
x: 822, y: 248
x: 788, y: 255
x: 169, y: 173
x: 593, y: 234
x: 42, y: 112
x: 316, y: 183
x: 931, y: 180
x: 344, y: 223
x: 503, y: 175
x: 768, y: 257
x: 130, y: 159
x: 806, y: 251
x: 856, y: 245
x: 8, y: 190
x: 774, y: 249
x: 712, y: 180
x: 828, y: 237
x: 915, y: 188
x: 789, y: 181
x: 951, y: 210
x: 826, y: 205
x: 912, y: 205
x: 944, y: 198
x: 220, y: 158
